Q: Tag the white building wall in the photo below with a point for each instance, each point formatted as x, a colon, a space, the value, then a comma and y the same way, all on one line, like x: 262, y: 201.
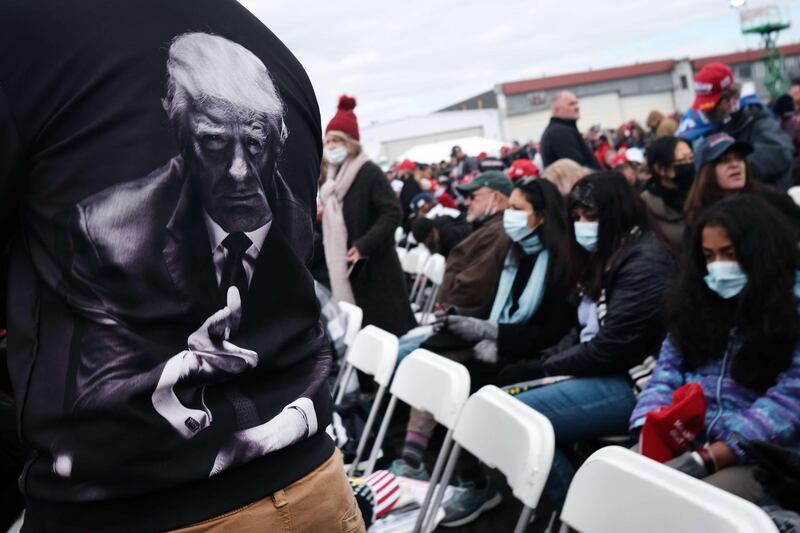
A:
x: 638, y: 107
x: 528, y: 126
x: 607, y: 109
x: 382, y: 140
x: 602, y: 109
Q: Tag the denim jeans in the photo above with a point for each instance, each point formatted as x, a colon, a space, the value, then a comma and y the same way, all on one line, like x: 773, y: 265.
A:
x: 579, y: 409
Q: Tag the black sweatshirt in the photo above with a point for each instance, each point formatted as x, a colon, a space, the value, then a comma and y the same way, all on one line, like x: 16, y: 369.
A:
x: 562, y: 140
x: 158, y: 153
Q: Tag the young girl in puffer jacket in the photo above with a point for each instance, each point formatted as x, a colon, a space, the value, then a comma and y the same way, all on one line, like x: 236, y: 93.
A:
x: 734, y: 330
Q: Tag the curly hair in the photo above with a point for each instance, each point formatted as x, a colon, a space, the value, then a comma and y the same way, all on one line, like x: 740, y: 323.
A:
x: 764, y: 314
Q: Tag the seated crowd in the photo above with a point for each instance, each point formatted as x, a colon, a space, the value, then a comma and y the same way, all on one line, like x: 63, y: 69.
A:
x: 615, y: 303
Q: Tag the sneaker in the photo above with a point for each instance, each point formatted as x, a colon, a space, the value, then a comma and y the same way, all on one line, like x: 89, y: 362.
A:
x: 468, y: 504
x: 401, y: 468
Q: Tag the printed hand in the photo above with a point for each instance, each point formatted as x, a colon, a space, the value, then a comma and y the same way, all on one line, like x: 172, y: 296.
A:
x: 471, y: 329
x: 210, y: 354
x: 286, y: 428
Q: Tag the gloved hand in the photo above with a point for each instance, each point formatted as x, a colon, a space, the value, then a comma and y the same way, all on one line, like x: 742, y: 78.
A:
x: 471, y: 329
x: 486, y: 351
x: 689, y: 463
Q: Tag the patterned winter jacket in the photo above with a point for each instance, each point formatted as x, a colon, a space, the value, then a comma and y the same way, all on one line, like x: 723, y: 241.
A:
x: 734, y: 413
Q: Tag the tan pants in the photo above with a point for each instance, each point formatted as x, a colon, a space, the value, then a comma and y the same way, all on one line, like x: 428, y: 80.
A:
x: 321, y: 502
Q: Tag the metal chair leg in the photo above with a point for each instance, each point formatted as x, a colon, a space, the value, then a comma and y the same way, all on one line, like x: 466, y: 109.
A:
x: 437, y: 501
x: 373, y: 455
x: 367, y: 428
x: 524, y: 519
x: 347, y: 371
x: 435, y: 478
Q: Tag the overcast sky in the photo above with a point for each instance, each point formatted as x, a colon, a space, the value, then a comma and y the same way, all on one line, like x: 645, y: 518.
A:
x: 414, y: 57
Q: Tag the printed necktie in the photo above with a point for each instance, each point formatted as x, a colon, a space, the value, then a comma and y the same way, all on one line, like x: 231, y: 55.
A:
x: 233, y: 273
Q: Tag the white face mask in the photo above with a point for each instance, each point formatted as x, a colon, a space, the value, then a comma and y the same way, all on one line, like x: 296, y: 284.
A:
x: 336, y: 156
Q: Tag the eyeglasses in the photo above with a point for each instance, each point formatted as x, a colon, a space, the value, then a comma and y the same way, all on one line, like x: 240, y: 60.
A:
x: 472, y: 196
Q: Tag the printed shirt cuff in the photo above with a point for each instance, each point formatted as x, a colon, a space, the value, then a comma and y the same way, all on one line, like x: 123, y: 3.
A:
x: 306, y: 407
x: 186, y: 421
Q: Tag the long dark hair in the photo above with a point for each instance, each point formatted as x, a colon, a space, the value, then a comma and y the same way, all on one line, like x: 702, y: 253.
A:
x: 764, y: 313
x: 619, y: 212
x: 545, y: 199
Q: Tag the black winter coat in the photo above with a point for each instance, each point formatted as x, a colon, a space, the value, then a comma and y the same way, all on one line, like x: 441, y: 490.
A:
x: 554, y: 318
x: 371, y: 214
x: 771, y: 160
x: 561, y: 139
x: 633, y: 327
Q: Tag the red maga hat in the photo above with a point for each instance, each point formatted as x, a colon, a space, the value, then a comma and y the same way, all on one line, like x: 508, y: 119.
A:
x: 711, y: 84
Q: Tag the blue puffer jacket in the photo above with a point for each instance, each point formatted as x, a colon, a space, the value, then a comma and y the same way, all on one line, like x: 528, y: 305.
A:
x: 733, y: 413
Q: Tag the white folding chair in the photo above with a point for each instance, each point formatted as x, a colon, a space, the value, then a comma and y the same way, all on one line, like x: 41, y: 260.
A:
x: 619, y: 491
x: 414, y: 264
x: 507, y: 435
x: 374, y: 352
x: 433, y: 272
x: 433, y: 384
x: 354, y: 316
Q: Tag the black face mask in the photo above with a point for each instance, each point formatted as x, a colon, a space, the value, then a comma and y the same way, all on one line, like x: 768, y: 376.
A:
x: 684, y: 175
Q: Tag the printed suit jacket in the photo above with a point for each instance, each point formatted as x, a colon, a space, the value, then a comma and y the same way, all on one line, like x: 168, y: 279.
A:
x: 147, y: 243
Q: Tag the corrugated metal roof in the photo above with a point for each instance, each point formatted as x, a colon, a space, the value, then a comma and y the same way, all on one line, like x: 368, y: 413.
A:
x: 592, y: 76
x: 632, y: 71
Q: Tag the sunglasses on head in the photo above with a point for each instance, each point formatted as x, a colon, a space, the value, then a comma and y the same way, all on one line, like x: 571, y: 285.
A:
x: 525, y: 182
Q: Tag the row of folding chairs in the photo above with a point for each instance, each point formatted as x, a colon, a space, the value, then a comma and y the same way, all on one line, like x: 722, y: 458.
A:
x: 428, y: 271
x: 616, y: 490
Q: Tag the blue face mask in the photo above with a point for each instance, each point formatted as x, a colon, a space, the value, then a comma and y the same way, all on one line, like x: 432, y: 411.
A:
x: 586, y: 235
x: 516, y: 224
x: 726, y: 278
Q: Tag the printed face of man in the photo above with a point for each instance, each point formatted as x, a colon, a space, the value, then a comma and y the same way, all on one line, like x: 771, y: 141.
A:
x: 229, y: 152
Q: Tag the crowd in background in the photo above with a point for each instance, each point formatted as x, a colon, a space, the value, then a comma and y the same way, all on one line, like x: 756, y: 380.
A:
x: 638, y: 281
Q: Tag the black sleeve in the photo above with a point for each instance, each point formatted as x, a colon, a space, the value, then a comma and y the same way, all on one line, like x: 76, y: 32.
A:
x: 11, y: 163
x: 772, y: 150
x: 384, y: 201
x: 516, y: 341
x: 633, y: 322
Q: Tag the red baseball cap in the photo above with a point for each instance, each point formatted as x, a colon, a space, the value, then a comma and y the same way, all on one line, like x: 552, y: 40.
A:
x: 405, y: 164
x: 620, y: 158
x: 522, y: 168
x: 710, y: 84
x: 671, y: 429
